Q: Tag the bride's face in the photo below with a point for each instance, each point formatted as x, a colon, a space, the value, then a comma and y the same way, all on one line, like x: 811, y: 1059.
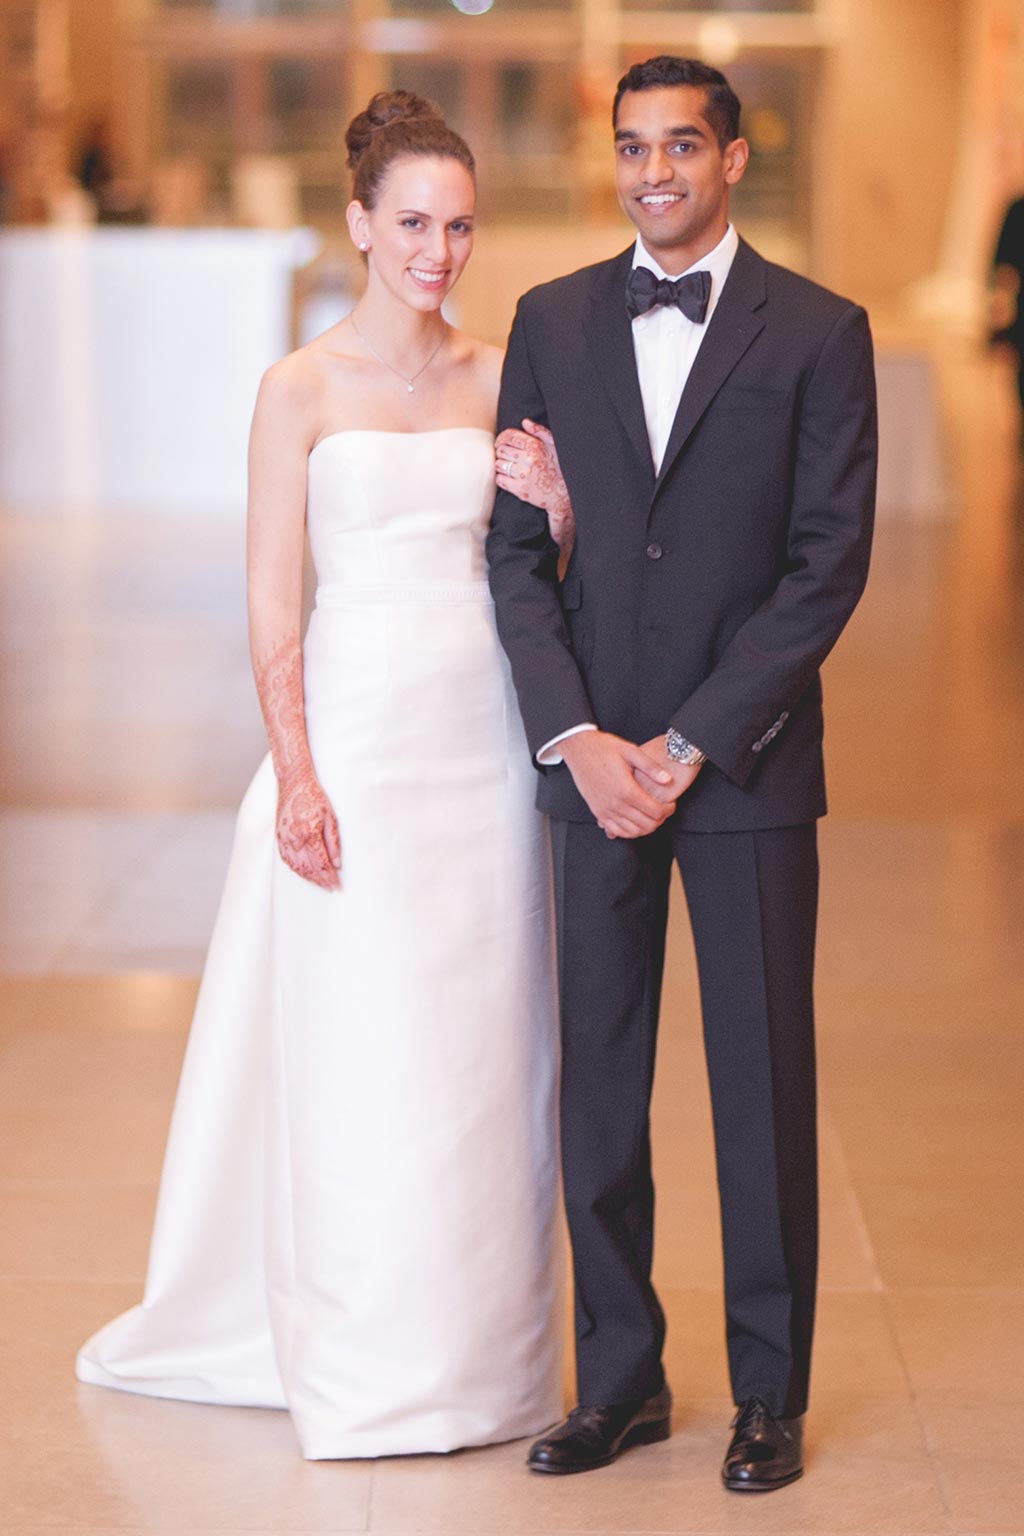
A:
x: 419, y: 232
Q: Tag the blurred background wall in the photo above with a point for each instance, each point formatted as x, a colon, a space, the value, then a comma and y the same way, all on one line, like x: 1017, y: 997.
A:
x: 865, y: 115
x: 137, y: 136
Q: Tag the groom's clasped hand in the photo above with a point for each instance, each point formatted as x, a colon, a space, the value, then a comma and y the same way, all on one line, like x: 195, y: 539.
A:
x: 631, y: 790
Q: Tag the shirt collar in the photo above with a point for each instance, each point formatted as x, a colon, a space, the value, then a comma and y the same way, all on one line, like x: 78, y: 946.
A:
x: 717, y: 262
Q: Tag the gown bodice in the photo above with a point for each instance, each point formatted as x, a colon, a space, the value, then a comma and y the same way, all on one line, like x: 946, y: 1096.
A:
x: 401, y: 508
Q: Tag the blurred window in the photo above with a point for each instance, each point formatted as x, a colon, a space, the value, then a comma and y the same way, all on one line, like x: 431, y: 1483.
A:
x: 722, y: 6
x: 305, y: 105
x: 519, y: 118
x: 543, y: 153
x: 249, y: 9
x: 775, y: 200
x: 438, y: 79
x: 476, y: 7
x: 199, y: 105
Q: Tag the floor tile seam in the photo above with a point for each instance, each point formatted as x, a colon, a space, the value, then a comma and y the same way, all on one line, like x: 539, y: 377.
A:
x: 916, y: 1406
x: 873, y: 1400
x: 13, y: 1102
x: 151, y: 962
x: 51, y: 949
x: 958, y: 1288
x: 665, y: 1287
x: 74, y: 1279
x: 71, y: 978
x: 851, y: 1200
x: 647, y: 1530
x: 81, y: 1183
x: 371, y: 1494
x: 160, y: 834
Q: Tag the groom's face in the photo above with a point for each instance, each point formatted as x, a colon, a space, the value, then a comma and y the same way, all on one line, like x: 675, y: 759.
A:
x: 672, y: 175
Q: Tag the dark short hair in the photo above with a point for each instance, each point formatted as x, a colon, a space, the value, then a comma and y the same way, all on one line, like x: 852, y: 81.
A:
x: 722, y: 106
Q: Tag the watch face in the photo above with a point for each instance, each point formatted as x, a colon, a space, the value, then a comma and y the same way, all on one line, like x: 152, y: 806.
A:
x: 682, y: 751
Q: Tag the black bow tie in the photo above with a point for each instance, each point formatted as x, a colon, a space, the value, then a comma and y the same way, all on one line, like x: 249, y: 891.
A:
x: 690, y: 294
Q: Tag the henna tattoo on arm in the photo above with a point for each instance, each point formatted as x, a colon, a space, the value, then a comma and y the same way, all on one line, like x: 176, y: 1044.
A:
x: 307, y: 831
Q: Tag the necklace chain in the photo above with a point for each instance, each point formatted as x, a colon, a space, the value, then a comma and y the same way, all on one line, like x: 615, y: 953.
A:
x: 410, y: 383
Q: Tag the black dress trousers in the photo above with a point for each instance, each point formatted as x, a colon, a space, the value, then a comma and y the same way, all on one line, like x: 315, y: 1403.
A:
x: 752, y: 899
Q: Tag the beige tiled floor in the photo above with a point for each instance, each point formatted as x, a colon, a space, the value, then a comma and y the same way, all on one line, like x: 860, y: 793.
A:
x: 124, y: 661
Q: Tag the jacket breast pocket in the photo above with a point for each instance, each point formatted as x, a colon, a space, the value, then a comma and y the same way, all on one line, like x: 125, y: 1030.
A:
x: 735, y: 397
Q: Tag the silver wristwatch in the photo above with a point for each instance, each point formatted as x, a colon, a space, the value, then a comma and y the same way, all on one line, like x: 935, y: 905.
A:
x: 682, y: 751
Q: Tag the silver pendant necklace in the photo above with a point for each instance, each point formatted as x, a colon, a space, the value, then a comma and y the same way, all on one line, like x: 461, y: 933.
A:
x: 410, y: 383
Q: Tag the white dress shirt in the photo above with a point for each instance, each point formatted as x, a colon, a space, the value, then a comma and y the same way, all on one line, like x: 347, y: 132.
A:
x: 665, y: 344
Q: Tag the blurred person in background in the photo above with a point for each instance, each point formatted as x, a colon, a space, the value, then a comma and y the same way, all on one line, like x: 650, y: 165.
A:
x: 95, y: 163
x: 115, y: 197
x: 358, y: 1212
x: 5, y: 182
x: 714, y: 422
x: 1007, y: 282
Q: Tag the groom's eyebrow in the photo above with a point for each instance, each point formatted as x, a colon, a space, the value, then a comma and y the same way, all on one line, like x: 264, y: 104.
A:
x: 681, y: 131
x: 685, y: 131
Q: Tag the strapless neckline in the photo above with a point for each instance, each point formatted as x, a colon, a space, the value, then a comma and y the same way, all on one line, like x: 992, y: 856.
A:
x: 392, y: 432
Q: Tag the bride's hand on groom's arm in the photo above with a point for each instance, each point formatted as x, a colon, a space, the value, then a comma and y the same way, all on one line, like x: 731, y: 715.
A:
x: 526, y: 464
x: 607, y: 772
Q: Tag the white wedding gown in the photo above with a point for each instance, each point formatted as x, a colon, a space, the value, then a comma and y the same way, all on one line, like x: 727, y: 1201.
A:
x: 358, y: 1217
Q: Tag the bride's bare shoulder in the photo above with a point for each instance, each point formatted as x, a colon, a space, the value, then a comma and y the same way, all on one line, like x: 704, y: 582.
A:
x: 482, y: 362
x: 477, y: 354
x: 315, y: 364
x: 301, y: 384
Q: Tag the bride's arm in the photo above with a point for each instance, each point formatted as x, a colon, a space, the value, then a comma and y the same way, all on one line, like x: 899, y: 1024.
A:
x: 307, y: 831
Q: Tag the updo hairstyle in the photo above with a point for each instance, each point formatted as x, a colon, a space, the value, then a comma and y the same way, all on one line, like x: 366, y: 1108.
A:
x: 397, y: 124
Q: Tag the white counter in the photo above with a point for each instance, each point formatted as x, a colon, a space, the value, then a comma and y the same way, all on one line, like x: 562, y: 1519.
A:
x: 130, y: 359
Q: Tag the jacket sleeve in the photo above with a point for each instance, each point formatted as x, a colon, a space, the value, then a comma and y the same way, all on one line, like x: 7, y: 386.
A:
x: 746, y: 700
x: 523, y: 566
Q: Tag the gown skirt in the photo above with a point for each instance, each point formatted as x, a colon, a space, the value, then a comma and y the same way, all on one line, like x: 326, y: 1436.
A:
x: 358, y: 1217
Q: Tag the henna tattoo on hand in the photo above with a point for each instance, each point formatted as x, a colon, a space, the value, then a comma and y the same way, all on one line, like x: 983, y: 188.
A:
x: 535, y: 475
x: 307, y: 831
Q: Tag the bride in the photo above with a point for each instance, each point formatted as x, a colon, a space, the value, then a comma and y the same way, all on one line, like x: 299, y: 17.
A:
x: 358, y: 1212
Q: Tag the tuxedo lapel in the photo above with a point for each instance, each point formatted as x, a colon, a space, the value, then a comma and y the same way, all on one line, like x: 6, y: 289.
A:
x: 731, y: 330
x: 610, y: 338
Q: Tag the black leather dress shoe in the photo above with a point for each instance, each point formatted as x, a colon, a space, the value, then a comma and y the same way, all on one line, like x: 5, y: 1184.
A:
x: 593, y: 1437
x: 765, y: 1452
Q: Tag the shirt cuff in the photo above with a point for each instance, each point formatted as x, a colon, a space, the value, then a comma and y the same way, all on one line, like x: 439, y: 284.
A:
x: 547, y: 757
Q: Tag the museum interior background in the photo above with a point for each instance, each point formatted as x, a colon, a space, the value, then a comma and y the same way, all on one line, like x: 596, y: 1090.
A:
x: 172, y: 193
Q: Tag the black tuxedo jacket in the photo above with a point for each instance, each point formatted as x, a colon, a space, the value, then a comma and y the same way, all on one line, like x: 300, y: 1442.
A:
x: 705, y: 597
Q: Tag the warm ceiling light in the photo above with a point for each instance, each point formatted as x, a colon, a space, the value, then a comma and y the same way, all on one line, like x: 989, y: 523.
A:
x: 472, y: 7
x: 718, y: 40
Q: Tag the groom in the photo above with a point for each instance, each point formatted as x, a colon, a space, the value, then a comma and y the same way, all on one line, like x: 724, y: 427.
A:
x: 714, y: 417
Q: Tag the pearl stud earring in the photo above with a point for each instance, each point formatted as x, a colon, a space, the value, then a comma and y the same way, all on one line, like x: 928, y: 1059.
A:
x: 363, y: 245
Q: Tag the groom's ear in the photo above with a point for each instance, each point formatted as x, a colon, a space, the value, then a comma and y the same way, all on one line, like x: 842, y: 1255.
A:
x: 736, y: 157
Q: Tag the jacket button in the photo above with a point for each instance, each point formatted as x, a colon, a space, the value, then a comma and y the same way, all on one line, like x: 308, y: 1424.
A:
x: 654, y: 551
